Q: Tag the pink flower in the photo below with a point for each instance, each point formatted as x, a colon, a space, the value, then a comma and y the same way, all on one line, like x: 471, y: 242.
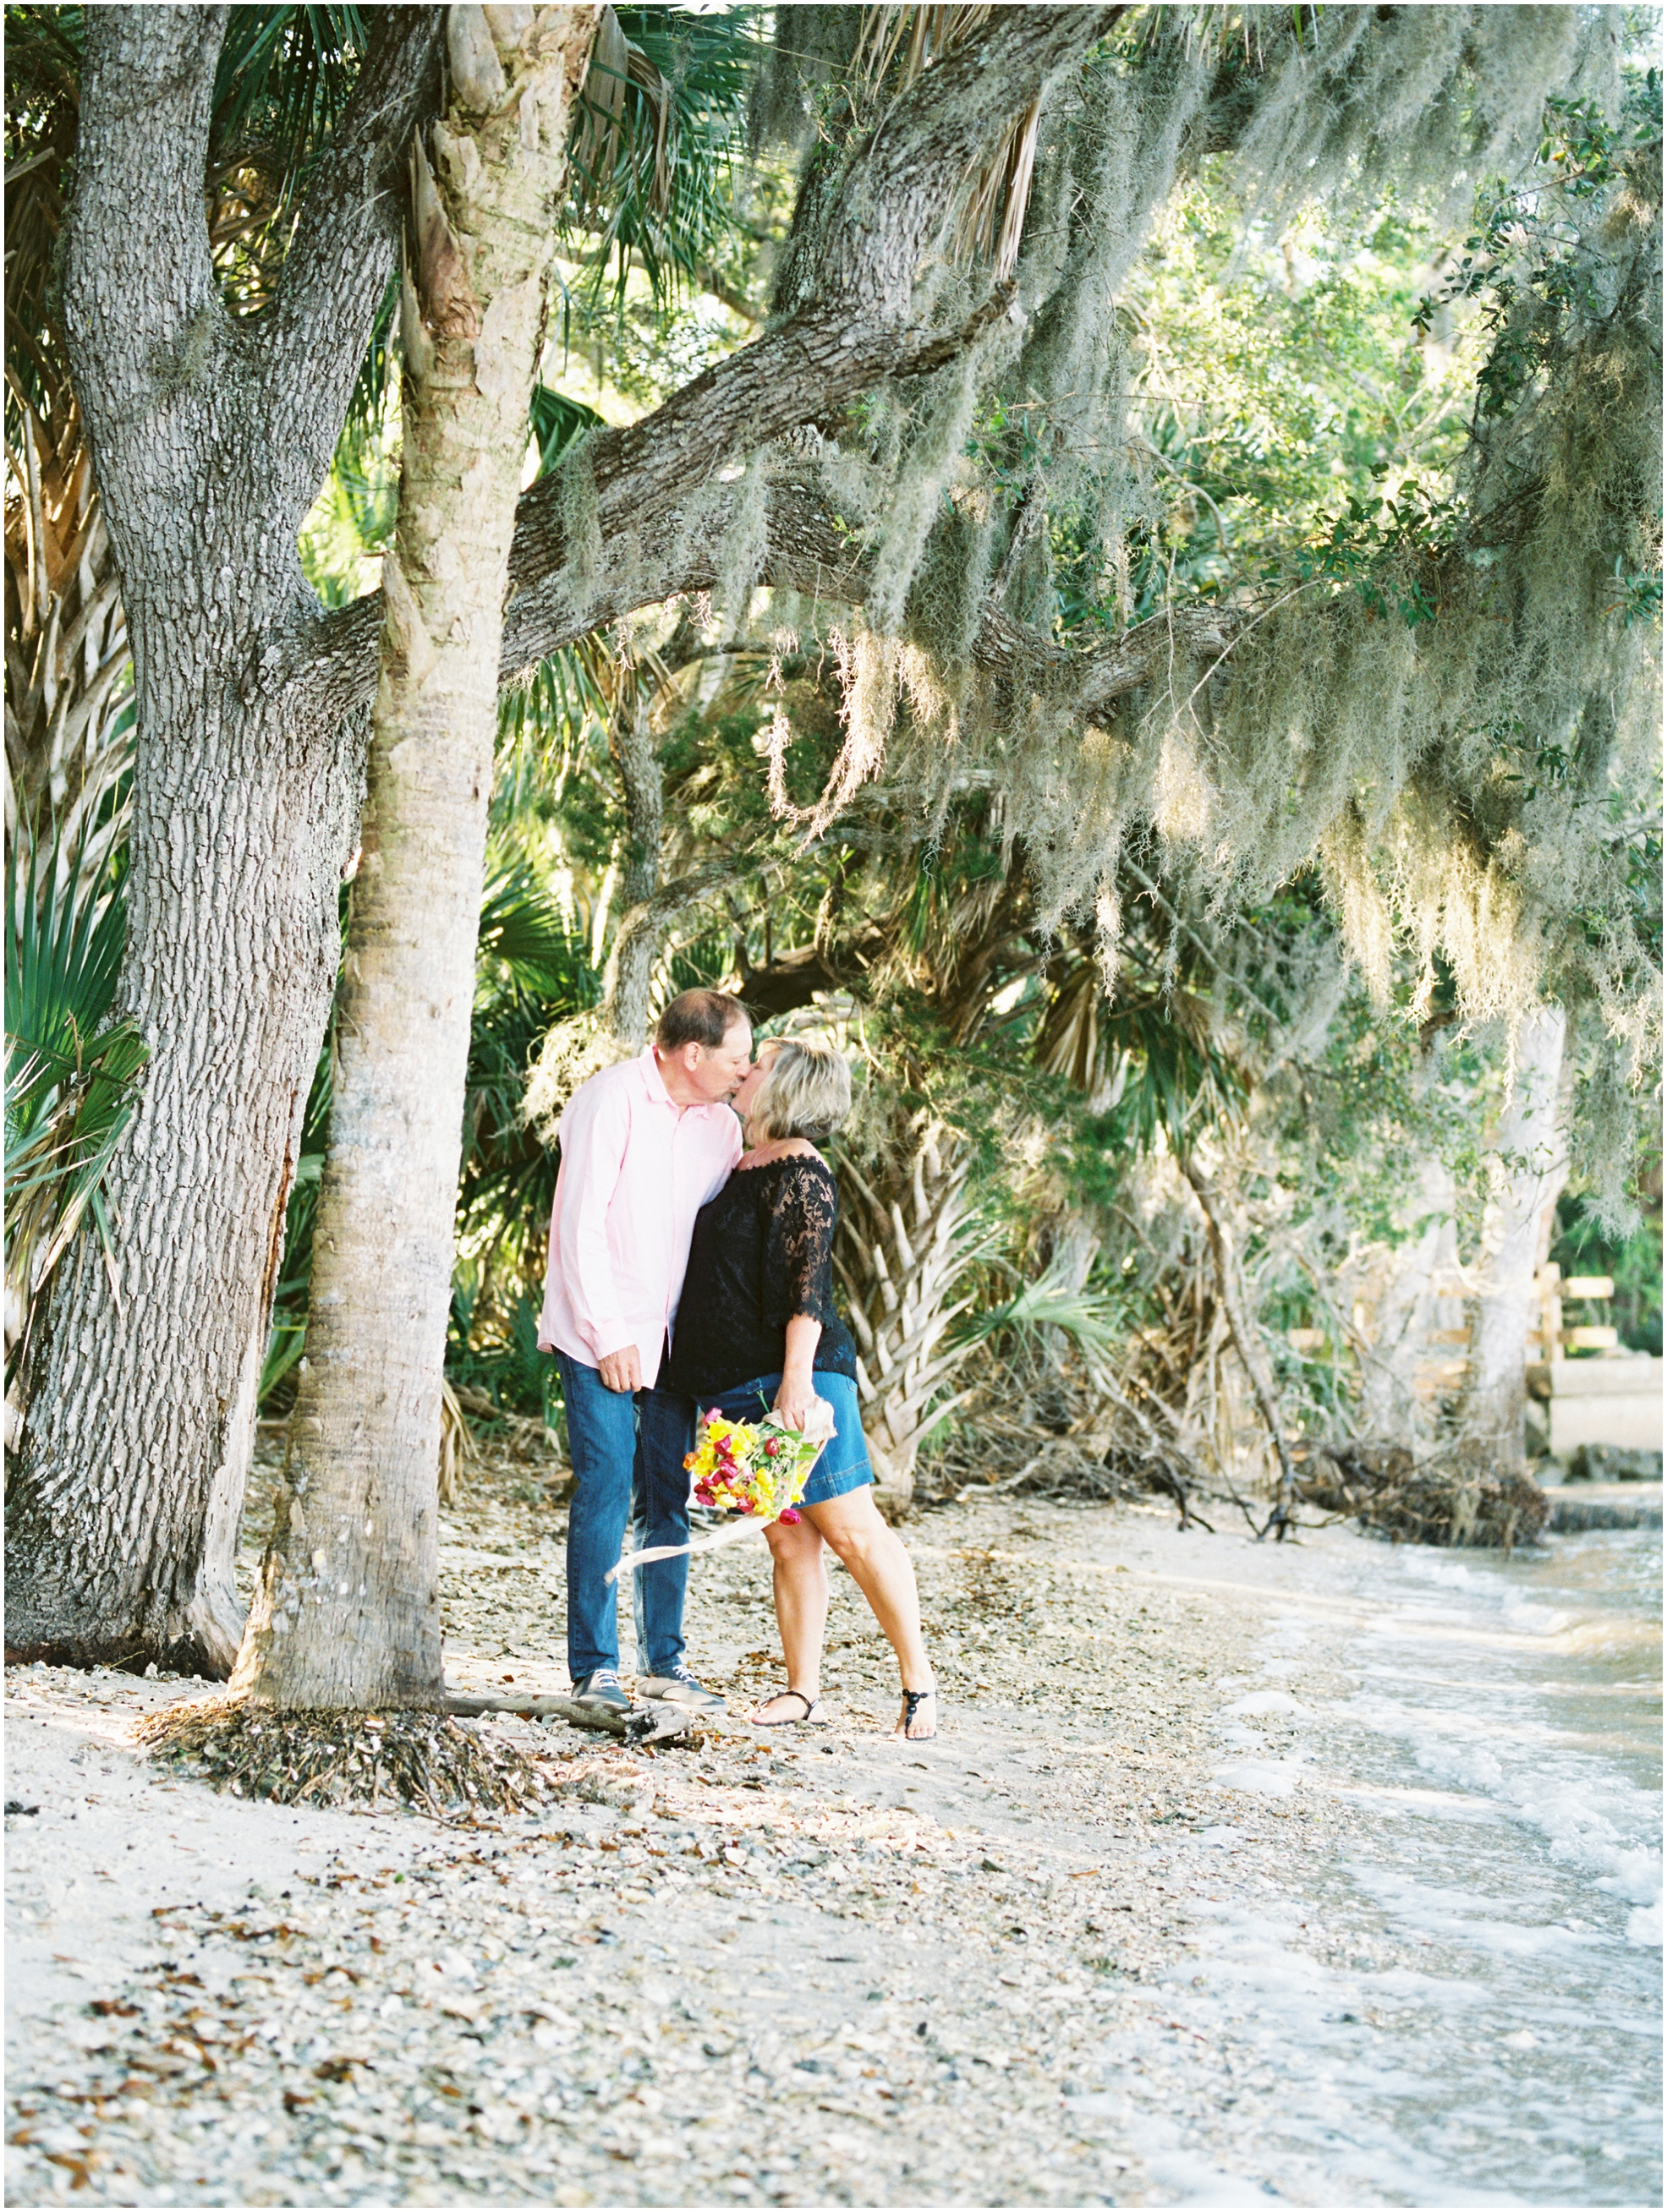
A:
x: 787, y: 1514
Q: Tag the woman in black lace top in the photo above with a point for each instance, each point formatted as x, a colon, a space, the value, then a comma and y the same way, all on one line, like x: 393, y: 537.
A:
x: 756, y: 1331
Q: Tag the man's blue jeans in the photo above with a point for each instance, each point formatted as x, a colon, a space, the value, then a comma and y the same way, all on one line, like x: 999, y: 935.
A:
x: 615, y: 1438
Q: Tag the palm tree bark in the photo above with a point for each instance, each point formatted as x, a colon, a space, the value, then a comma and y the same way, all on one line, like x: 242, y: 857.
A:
x: 347, y: 1614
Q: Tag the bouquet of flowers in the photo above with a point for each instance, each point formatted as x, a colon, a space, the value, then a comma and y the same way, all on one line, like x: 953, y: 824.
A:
x: 755, y: 1470
x: 756, y: 1467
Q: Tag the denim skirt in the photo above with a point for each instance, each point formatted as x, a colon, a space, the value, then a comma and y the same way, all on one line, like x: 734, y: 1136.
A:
x: 844, y: 1464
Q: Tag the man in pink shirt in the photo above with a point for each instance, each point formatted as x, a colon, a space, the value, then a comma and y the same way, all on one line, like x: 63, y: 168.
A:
x: 643, y: 1146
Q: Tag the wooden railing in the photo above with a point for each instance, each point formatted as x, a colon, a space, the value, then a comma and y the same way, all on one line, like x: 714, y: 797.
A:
x: 1548, y: 1339
x: 1551, y: 1340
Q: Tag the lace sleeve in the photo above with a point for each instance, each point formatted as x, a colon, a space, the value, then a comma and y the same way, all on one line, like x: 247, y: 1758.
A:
x: 799, y: 1246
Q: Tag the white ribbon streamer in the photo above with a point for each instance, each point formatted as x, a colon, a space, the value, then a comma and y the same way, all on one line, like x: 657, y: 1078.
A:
x: 747, y: 1524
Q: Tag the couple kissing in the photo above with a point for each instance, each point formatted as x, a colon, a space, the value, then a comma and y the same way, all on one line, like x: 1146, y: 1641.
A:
x: 691, y: 1270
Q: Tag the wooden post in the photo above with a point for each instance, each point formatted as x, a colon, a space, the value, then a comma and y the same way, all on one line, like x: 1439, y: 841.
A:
x: 1549, y: 1284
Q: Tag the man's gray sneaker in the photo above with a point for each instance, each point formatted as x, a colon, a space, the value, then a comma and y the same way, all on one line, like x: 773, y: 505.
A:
x: 602, y: 1691
x: 679, y: 1687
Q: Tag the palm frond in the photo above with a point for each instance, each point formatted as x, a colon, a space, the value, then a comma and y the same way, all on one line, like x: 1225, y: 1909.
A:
x: 557, y: 420
x: 543, y: 720
x: 70, y: 1075
x: 1093, y: 1323
x: 661, y: 121
x: 524, y: 935
x: 281, y: 85
x: 371, y: 400
x: 64, y: 949
x: 1152, y: 1054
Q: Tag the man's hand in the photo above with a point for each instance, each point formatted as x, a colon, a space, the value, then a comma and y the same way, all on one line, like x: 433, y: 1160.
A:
x: 621, y: 1371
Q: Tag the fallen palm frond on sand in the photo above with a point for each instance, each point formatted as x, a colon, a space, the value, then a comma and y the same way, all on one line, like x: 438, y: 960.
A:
x: 431, y: 1760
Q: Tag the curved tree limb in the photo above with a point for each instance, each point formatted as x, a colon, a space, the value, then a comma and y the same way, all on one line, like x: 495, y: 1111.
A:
x: 807, y: 550
x: 312, y: 339
x: 147, y: 96
x: 885, y: 220
x: 626, y: 982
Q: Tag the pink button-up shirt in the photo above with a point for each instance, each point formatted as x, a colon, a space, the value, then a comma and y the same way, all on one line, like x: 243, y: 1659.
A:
x: 635, y: 1173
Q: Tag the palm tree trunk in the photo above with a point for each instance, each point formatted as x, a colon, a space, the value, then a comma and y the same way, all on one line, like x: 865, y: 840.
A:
x: 348, y: 1610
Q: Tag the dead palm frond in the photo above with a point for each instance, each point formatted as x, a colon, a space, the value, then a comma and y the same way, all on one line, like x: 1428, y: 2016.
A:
x: 68, y: 709
x: 905, y: 1249
x: 897, y: 46
x: 457, y: 1445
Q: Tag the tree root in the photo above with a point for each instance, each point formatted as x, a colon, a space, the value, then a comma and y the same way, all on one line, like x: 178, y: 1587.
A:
x: 428, y: 1760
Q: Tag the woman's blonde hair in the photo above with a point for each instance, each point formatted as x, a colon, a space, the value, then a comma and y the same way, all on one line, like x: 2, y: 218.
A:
x: 806, y: 1092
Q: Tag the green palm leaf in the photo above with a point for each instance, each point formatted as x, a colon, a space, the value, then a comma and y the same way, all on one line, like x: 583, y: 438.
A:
x: 663, y: 117
x: 72, y: 1075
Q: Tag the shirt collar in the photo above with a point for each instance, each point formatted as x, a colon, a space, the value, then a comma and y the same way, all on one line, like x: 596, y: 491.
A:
x: 652, y: 1081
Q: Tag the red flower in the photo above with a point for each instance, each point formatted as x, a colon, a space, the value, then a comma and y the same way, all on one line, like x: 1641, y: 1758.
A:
x: 788, y: 1513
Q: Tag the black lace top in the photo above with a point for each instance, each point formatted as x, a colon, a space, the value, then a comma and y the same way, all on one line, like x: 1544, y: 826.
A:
x: 762, y: 1254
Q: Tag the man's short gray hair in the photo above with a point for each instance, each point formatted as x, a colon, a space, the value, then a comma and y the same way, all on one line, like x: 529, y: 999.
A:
x: 699, y: 1018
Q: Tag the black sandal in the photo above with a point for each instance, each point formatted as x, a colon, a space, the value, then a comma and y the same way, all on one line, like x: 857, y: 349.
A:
x: 812, y: 1716
x: 912, y: 1702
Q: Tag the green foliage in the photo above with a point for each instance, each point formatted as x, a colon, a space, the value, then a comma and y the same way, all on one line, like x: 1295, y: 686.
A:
x: 557, y: 421
x: 1524, y: 265
x: 71, y: 1073
x: 532, y: 973
x: 1581, y: 1247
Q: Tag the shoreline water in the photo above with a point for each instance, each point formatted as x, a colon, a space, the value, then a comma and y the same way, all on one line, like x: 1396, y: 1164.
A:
x: 1228, y: 1881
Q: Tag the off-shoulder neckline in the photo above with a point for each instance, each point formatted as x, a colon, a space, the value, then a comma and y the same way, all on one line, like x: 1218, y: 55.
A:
x: 787, y: 1160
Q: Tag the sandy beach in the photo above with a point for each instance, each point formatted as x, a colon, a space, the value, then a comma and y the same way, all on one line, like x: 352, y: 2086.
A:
x: 1128, y: 1933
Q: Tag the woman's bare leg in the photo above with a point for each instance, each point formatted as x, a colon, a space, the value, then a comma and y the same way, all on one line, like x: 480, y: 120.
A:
x: 801, y: 1613
x: 883, y: 1572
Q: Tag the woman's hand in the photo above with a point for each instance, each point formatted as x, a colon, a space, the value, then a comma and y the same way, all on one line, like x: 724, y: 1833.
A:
x: 798, y: 1392
x: 795, y: 1399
